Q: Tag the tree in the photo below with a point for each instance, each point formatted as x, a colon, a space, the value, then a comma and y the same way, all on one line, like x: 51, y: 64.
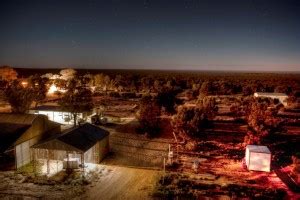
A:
x: 38, y: 85
x: 77, y: 99
x: 190, y: 122
x: 209, y: 106
x: 8, y: 73
x: 148, y: 116
x: 157, y: 86
x: 18, y: 97
x: 280, y: 89
x: 262, y: 122
x: 68, y: 74
x: 248, y: 90
x: 204, y: 89
x: 99, y: 80
x: 167, y: 98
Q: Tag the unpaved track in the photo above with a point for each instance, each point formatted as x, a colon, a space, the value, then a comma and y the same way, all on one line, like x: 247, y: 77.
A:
x: 123, y: 183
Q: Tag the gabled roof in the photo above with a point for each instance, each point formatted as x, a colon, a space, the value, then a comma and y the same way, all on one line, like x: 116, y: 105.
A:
x: 55, y: 108
x: 79, y: 139
x: 10, y: 133
x: 49, y: 108
x: 18, y: 118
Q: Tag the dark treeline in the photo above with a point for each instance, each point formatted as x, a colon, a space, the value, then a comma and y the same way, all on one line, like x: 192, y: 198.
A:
x: 218, y: 82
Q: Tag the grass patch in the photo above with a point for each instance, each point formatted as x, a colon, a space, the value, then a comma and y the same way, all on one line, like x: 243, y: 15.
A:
x: 34, y: 167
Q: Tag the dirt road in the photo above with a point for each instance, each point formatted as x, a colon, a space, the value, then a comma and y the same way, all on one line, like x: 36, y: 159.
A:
x: 123, y: 183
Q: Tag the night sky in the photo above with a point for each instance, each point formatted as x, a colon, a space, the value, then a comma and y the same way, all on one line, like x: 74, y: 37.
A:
x: 145, y: 34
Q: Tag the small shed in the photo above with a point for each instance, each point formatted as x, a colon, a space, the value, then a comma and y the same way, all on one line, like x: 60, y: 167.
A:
x: 258, y: 158
x: 74, y: 147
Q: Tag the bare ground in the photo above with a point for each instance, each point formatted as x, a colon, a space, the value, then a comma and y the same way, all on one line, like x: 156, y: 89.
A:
x: 123, y: 183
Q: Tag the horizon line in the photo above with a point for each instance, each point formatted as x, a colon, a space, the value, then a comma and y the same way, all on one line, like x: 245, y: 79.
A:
x: 154, y: 69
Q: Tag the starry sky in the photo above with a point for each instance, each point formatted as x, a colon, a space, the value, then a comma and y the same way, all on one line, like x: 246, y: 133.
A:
x: 249, y: 35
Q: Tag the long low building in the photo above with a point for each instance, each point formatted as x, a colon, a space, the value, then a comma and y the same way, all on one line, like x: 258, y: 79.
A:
x: 57, y: 114
x: 282, y: 97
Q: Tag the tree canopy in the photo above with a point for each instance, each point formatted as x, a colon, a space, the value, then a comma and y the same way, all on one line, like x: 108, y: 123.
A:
x: 77, y: 99
x: 261, y: 120
x: 192, y: 121
x: 18, y: 97
x: 39, y: 87
x: 148, y: 116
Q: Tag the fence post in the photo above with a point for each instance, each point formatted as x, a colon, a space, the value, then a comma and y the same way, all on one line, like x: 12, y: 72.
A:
x: 164, y: 171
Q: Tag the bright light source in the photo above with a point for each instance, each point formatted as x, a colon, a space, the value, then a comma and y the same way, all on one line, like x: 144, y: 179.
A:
x: 24, y: 83
x: 52, y: 89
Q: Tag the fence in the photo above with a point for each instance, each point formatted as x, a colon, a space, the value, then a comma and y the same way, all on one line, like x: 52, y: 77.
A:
x: 141, y: 153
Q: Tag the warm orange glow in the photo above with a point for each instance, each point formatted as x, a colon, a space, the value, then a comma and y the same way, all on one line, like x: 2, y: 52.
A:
x: 24, y: 83
x: 52, y: 89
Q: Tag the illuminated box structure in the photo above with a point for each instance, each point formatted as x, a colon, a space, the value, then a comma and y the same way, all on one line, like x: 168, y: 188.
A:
x: 258, y: 158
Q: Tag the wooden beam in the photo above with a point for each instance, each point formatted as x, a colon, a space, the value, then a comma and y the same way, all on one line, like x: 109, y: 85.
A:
x: 16, y: 166
x: 33, y: 160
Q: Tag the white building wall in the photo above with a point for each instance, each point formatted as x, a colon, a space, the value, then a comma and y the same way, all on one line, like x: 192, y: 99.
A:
x: 89, y: 156
x: 59, y: 117
x: 23, y: 155
x: 259, y: 161
x: 282, y: 99
x: 247, y: 157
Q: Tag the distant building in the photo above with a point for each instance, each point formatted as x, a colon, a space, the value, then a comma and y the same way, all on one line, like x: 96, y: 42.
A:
x: 74, y: 147
x: 258, y: 158
x: 280, y: 96
x: 57, y: 114
x: 18, y: 132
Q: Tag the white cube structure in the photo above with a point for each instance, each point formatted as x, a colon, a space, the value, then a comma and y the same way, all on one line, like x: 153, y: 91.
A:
x: 258, y: 158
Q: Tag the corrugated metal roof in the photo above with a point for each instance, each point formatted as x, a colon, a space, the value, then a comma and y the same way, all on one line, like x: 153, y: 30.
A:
x: 277, y: 94
x: 78, y: 139
x: 258, y: 149
x: 49, y: 108
x: 10, y: 133
x: 18, y: 118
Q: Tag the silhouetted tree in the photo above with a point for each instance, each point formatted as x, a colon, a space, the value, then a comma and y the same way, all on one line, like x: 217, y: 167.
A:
x: 77, y: 99
x: 167, y: 98
x: 18, y: 97
x: 8, y: 73
x: 148, y: 116
x: 38, y: 85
